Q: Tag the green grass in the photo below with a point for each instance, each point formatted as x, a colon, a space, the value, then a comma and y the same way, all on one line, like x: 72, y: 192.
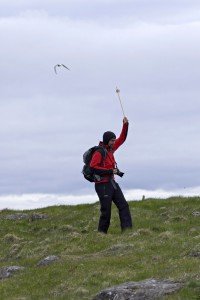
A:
x: 165, y: 234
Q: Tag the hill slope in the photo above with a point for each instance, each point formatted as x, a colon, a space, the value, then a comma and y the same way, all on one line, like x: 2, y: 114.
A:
x: 164, y: 244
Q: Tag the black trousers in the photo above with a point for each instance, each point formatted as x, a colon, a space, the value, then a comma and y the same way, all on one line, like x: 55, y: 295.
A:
x: 108, y: 192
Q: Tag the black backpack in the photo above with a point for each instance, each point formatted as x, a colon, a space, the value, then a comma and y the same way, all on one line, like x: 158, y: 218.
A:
x: 87, y: 171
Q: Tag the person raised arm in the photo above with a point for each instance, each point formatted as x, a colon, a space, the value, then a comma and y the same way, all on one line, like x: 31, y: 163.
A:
x: 121, y: 139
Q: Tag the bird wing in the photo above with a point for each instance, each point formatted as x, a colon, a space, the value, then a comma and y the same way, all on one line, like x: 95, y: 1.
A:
x: 65, y: 67
x: 55, y: 68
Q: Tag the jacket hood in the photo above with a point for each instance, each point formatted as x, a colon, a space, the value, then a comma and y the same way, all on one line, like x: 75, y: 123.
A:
x: 107, y: 136
x: 101, y: 144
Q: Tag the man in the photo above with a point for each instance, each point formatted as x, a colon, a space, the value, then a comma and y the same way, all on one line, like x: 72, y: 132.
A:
x: 107, y: 188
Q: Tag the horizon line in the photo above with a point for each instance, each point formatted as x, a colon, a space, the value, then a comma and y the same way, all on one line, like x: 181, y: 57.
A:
x: 28, y: 201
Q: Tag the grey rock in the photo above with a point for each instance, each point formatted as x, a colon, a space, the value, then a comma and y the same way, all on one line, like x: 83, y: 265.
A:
x: 48, y: 260
x: 17, y: 216
x: 38, y: 216
x: 196, y: 213
x: 6, y: 272
x: 118, y: 249
x: 195, y: 254
x: 144, y: 290
x: 24, y: 216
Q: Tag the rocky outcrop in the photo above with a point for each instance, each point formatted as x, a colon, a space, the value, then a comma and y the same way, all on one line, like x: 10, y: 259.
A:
x: 144, y: 290
x: 22, y: 216
x: 37, y: 216
x: 6, y: 272
x: 47, y: 260
x: 196, y: 213
x: 17, y: 216
x: 194, y: 254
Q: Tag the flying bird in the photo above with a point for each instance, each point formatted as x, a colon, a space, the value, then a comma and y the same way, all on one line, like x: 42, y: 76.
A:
x: 60, y: 65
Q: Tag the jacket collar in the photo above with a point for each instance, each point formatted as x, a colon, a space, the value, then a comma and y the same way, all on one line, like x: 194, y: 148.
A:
x: 101, y: 144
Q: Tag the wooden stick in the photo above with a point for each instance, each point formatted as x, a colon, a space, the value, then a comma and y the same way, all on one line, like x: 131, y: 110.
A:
x: 118, y: 91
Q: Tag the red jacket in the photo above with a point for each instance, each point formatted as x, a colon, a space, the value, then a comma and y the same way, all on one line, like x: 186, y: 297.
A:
x: 104, y: 166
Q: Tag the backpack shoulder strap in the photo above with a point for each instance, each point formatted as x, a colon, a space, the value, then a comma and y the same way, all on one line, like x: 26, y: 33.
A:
x: 103, y: 152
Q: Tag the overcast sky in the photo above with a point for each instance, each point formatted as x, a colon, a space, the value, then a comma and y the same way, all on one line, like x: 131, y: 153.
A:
x: 150, y: 49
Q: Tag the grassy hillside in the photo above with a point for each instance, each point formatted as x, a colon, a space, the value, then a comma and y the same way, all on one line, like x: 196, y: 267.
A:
x: 164, y: 244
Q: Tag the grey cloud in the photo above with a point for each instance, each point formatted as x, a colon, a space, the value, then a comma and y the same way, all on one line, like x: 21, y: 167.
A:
x: 150, y: 11
x: 150, y: 56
